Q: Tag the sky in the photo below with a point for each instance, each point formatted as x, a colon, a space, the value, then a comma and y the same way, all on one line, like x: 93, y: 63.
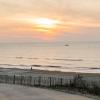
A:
x: 49, y: 20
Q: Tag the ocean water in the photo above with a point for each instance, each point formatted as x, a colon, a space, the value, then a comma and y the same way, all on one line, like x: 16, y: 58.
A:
x: 77, y: 57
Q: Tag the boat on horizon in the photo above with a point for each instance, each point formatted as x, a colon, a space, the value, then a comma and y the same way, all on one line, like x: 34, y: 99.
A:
x: 66, y: 45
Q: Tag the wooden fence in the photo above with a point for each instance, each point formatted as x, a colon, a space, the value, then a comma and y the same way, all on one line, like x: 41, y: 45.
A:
x: 35, y: 81
x: 76, y: 83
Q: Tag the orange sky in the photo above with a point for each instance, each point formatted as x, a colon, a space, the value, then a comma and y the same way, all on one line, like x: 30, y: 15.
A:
x: 78, y: 20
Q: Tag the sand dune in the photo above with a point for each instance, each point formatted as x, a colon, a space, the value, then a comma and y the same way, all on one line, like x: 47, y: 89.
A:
x: 13, y: 92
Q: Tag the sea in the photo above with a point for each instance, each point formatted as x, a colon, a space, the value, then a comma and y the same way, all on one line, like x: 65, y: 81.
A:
x: 83, y: 57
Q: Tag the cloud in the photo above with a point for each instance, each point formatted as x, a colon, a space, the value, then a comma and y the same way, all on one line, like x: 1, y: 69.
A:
x: 75, y: 15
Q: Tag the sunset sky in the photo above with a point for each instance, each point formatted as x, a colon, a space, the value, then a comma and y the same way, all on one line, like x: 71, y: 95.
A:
x: 49, y: 20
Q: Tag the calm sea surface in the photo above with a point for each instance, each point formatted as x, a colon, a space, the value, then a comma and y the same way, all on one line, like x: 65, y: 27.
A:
x: 77, y: 57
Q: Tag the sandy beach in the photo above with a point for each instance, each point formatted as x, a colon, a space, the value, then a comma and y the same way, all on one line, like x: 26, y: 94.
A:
x: 14, y: 92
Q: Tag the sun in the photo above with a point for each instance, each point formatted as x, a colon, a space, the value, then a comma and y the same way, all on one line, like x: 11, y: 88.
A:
x: 46, y: 28
x: 45, y: 23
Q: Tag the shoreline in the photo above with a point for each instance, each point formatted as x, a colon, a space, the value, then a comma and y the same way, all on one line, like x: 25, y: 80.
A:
x: 37, y: 71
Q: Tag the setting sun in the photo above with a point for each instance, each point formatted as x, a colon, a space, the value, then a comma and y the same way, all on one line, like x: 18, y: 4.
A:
x: 45, y: 23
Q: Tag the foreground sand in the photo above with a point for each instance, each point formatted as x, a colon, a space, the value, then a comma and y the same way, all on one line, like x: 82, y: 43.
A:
x: 13, y: 92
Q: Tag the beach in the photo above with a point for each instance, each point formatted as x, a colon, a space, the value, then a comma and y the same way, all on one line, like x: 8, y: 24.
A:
x: 15, y: 92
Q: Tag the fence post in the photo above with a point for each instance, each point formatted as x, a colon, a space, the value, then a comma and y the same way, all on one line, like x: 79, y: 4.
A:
x: 34, y: 81
x: 39, y: 81
x: 21, y: 78
x: 14, y: 79
x: 6, y: 79
x: 61, y: 81
x: 30, y: 80
x: 50, y: 81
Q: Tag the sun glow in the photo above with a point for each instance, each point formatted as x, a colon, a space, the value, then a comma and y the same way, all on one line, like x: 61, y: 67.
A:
x: 45, y: 23
x: 46, y: 28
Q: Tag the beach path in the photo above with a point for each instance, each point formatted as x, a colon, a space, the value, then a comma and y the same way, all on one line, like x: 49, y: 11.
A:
x: 15, y: 92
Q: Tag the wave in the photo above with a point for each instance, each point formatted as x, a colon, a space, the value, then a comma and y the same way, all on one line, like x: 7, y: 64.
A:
x: 70, y: 59
x: 22, y: 65
x: 92, y: 68
x: 50, y: 59
x: 36, y: 65
x: 51, y: 66
x: 24, y: 58
x: 48, y: 66
x: 19, y: 57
